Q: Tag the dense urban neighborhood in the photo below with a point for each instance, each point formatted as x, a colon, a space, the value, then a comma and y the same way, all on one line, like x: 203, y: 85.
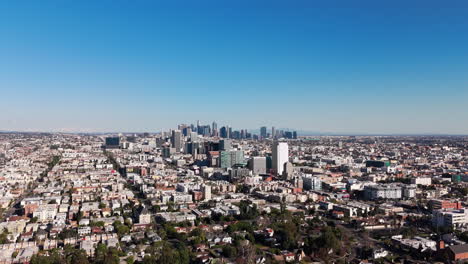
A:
x: 199, y: 194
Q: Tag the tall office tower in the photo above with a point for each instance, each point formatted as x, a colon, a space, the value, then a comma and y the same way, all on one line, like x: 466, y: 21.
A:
x: 192, y: 148
x: 295, y: 135
x: 273, y: 132
x: 263, y: 132
x: 258, y: 165
x: 229, y: 130
x: 205, y: 131
x: 186, y: 131
x: 225, y: 144
x: 235, y: 135
x: 243, y: 134
x: 214, y: 129
x: 199, y: 128
x: 176, y: 140
x: 206, y: 192
x: 288, y: 171
x: 188, y: 147
x: 167, y: 152
x: 193, y: 136
x: 223, y: 132
x: 280, y: 155
x: 229, y: 158
x: 182, y: 126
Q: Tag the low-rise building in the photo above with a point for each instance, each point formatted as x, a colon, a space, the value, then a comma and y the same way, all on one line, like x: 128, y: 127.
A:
x: 450, y: 218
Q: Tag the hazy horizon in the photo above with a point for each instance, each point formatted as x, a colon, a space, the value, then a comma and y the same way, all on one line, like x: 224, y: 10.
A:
x: 303, y: 133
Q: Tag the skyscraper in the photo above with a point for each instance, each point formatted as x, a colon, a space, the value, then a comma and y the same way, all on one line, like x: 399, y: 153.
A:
x: 280, y: 155
x: 223, y: 132
x: 193, y: 136
x: 243, y: 133
x: 288, y: 171
x: 199, y: 128
x: 206, y: 192
x: 186, y: 131
x: 176, y: 140
x: 263, y: 132
x: 229, y: 158
x: 258, y: 165
x: 273, y: 132
x: 205, y: 131
x: 214, y: 129
x: 225, y: 144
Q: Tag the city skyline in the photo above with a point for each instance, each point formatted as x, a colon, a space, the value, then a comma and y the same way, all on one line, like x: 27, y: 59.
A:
x: 302, y: 133
x: 115, y: 66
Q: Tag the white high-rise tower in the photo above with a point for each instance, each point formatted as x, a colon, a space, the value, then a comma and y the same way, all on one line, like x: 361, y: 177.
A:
x: 280, y: 155
x: 206, y: 192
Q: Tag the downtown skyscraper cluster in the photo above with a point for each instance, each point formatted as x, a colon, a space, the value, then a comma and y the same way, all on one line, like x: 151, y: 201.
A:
x: 227, y: 131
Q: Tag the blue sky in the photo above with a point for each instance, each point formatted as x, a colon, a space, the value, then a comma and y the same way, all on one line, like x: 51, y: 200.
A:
x: 330, y: 66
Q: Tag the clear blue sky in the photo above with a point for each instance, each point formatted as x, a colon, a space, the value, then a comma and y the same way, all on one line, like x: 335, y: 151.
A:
x: 338, y: 66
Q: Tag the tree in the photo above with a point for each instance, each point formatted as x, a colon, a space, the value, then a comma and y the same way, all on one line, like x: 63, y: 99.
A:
x: 248, y: 211
x: 149, y: 259
x: 54, y: 257
x: 229, y: 251
x: 198, y: 236
x: 40, y: 259
x: 464, y: 236
x: 68, y: 233
x: 287, y: 233
x: 183, y: 253
x: 329, y: 239
x: 79, y: 257
x: 79, y: 216
x: 165, y: 252
x: 409, y: 232
x: 246, y: 252
x: 104, y: 255
x: 4, y: 237
x: 98, y: 223
x: 240, y: 226
x: 155, y: 209
x: 121, y: 228
x: 100, y: 253
x: 171, y: 233
x: 112, y: 256
x: 130, y: 260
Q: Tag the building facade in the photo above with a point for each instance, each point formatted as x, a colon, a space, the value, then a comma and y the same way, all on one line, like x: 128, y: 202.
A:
x: 280, y: 155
